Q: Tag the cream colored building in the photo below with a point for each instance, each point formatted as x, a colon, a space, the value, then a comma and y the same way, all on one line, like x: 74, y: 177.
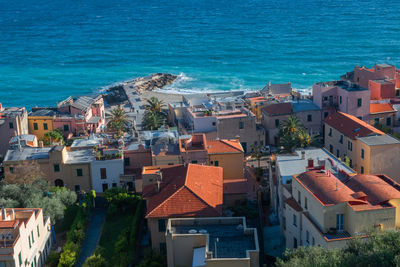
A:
x: 25, y: 238
x: 211, y: 242
x: 329, y: 211
x: 368, y: 149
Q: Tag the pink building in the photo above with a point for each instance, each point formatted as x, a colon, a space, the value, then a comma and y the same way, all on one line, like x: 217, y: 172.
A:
x: 136, y: 156
x: 383, y: 80
x: 342, y: 96
x: 81, y: 114
x: 194, y: 149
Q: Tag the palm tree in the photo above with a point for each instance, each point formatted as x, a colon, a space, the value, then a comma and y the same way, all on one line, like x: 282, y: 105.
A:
x: 155, y: 105
x: 118, y: 120
x: 289, y: 142
x: 152, y: 120
x: 291, y: 126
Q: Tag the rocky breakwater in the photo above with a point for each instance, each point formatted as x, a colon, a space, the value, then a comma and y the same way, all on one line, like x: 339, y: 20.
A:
x: 129, y: 90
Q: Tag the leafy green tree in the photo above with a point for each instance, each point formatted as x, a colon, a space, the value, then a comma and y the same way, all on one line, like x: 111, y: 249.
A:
x: 96, y: 260
x: 53, y: 137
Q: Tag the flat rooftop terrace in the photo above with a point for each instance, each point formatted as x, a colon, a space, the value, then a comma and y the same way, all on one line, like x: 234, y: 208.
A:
x: 232, y: 242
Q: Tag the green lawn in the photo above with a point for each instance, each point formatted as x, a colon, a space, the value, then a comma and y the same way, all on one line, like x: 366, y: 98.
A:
x: 111, y: 229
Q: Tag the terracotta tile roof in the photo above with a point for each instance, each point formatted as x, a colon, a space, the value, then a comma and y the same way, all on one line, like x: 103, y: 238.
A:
x: 278, y: 109
x: 8, y: 224
x: 186, y: 191
x: 235, y: 186
x: 376, y: 188
x: 293, y: 204
x: 381, y: 108
x: 328, y: 189
x: 351, y: 126
x: 224, y: 146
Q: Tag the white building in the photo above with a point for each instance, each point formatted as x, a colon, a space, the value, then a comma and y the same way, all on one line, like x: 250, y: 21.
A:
x: 106, y: 170
x: 25, y: 237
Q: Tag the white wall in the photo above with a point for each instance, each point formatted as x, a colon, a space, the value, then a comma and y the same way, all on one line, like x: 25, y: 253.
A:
x: 114, y: 167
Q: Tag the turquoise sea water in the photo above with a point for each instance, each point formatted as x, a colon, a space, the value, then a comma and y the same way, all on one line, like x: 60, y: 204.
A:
x: 51, y: 49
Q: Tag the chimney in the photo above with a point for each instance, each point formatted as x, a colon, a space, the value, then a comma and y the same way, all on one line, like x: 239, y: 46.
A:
x: 3, y: 213
x: 303, y: 154
x: 158, y: 186
x: 310, y: 163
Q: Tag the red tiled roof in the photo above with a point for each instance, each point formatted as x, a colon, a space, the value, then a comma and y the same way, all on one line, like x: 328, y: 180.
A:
x: 376, y: 188
x: 351, y: 126
x: 381, y: 108
x: 293, y: 204
x: 329, y: 190
x: 186, y: 191
x: 235, y: 186
x: 8, y: 224
x: 278, y: 109
x: 224, y: 146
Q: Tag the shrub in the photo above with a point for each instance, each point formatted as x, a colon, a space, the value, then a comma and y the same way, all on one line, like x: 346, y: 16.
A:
x: 53, y: 259
x: 96, y: 260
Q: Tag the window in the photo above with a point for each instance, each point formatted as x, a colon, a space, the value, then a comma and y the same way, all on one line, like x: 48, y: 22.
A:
x: 294, y: 220
x: 276, y: 123
x: 305, y: 203
x: 77, y: 187
x: 45, y: 126
x: 349, y: 145
x: 376, y: 120
x: 360, y: 117
x: 127, y: 161
x: 105, y: 187
x: 216, y: 163
x: 337, y: 153
x: 340, y: 222
x: 308, y: 237
x: 362, y: 169
x: 12, y: 169
x: 313, y: 241
x: 33, y: 240
x: 325, y: 98
x: 114, y: 184
x: 309, y: 117
x: 351, y: 163
x: 331, y: 148
x: 330, y: 132
x: 240, y: 125
x: 35, y: 126
x: 359, y: 102
x: 20, y: 258
x: 38, y: 234
x: 213, y: 123
x: 161, y: 225
x: 397, y: 92
x: 66, y: 127
x: 389, y: 121
x: 56, y: 167
x: 299, y: 197
x: 194, y: 161
x: 103, y: 173
x: 340, y: 99
x: 341, y: 139
x: 362, y: 153
x: 326, y: 114
x: 79, y: 172
x: 29, y: 239
x: 11, y: 125
x: 294, y: 242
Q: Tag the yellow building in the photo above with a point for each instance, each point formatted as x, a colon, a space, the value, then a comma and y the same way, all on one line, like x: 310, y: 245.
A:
x: 368, y: 149
x: 56, y: 164
x: 41, y: 122
x: 227, y: 154
x: 212, y: 242
x: 327, y: 211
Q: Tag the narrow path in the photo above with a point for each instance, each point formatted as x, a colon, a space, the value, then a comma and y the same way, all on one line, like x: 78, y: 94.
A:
x: 93, y: 235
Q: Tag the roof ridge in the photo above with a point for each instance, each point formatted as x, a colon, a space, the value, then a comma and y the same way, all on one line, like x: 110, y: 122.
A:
x: 225, y: 142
